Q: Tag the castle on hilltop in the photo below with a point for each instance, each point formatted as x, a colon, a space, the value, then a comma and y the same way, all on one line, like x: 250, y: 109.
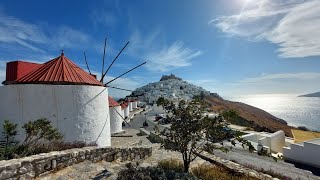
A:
x: 172, y: 76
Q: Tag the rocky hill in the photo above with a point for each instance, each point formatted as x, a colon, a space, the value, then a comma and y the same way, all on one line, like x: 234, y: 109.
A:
x: 175, y: 89
x: 169, y: 87
x: 316, y: 94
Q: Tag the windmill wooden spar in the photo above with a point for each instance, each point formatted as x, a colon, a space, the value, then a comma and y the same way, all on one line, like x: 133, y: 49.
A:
x: 104, y: 73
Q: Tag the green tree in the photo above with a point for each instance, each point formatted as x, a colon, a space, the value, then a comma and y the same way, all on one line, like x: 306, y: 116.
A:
x: 162, y: 101
x: 192, y: 131
x: 9, y: 142
x: 38, y: 133
x: 230, y: 115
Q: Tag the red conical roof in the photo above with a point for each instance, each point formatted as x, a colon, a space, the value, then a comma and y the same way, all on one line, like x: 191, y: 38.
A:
x: 112, y: 102
x: 60, y: 70
x: 124, y: 105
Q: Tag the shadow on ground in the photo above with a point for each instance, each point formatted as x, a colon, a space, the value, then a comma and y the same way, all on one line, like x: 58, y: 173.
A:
x: 314, y: 170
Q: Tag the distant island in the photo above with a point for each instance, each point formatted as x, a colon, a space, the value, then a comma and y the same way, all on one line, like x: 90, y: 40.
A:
x: 316, y: 94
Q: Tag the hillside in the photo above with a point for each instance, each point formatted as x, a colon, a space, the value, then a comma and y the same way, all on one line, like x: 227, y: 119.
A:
x: 175, y: 89
x: 316, y: 94
x: 250, y: 113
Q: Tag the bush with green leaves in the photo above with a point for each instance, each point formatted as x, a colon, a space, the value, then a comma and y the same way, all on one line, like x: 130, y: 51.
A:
x: 40, y: 137
x: 38, y: 133
x: 192, y: 131
x: 8, y: 144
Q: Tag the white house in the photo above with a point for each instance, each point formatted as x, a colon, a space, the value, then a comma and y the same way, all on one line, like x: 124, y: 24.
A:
x: 271, y: 142
x: 59, y: 90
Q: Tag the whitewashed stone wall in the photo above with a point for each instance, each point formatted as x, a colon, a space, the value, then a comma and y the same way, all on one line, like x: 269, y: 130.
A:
x: 80, y: 112
x: 305, y: 153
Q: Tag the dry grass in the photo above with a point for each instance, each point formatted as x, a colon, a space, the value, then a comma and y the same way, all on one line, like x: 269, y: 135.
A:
x: 211, y: 172
x: 300, y: 135
x: 171, y: 164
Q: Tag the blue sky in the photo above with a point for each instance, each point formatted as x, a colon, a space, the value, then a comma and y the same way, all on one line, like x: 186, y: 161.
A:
x: 230, y: 47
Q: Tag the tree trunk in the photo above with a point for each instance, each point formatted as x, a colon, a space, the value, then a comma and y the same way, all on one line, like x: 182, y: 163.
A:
x: 186, y: 164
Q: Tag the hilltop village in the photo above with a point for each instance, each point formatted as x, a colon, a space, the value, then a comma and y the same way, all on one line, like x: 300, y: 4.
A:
x: 170, y: 87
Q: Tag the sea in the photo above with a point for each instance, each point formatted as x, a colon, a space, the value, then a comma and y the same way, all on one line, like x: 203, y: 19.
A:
x: 297, y: 111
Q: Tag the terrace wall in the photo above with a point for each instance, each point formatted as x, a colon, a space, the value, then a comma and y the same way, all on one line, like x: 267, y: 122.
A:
x: 42, y: 164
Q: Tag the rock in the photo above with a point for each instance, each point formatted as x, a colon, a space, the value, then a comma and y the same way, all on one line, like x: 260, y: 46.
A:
x: 8, y: 173
x: 164, y: 77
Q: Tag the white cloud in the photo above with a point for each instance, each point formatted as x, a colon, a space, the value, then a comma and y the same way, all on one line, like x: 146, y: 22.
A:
x: 283, y: 76
x: 292, y: 24
x: 13, y: 30
x: 67, y: 37
x: 159, y: 56
x: 175, y: 56
x: 34, y: 37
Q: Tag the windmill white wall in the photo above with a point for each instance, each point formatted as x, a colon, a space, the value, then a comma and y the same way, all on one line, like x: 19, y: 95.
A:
x: 122, y: 113
x: 126, y: 111
x: 130, y: 106
x: 135, y: 104
x: 115, y: 119
x: 80, y: 112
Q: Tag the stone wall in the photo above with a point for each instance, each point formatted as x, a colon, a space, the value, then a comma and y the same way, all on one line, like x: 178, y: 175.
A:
x: 36, y: 165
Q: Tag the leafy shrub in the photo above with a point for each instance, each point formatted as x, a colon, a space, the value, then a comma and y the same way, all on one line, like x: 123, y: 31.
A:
x: 41, y: 137
x: 39, y: 133
x: 7, y: 146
